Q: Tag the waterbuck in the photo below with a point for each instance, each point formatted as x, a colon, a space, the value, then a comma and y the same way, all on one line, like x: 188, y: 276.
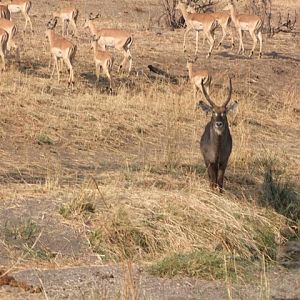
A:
x: 216, y: 141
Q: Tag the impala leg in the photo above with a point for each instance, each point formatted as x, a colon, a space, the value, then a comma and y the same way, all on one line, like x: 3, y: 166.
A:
x: 197, y: 41
x: 232, y: 37
x: 211, y: 42
x: 97, y: 72
x: 223, y: 36
x: 188, y: 29
x: 241, y: 45
x: 71, y: 76
x: 259, y: 35
x: 29, y: 20
x: 195, y: 92
x: 55, y: 66
x: 106, y: 72
x: 254, y: 38
x: 2, y: 57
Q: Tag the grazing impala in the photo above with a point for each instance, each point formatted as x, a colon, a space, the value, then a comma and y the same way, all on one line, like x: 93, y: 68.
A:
x: 11, y: 29
x: 23, y: 6
x: 251, y: 23
x: 3, y: 45
x: 196, y: 78
x: 61, y: 49
x: 216, y: 141
x: 4, y: 12
x: 103, y: 59
x: 197, y: 22
x: 68, y: 15
x: 115, y: 38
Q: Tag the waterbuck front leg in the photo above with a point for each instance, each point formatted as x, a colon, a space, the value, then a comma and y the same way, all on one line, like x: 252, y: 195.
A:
x: 220, y: 179
x: 212, y: 174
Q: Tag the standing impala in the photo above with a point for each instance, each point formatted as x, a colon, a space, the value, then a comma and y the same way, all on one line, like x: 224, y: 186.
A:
x: 3, y: 45
x: 216, y: 141
x: 115, y: 38
x: 223, y: 20
x: 251, y: 23
x: 4, y: 12
x: 196, y: 77
x: 62, y: 50
x: 68, y: 15
x: 23, y: 6
x: 103, y: 59
x: 197, y: 22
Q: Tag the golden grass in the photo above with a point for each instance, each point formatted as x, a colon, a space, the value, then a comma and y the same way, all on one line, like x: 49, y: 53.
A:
x: 141, y: 147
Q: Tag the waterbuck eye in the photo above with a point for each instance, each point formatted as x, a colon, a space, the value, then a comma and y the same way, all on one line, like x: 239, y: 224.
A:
x: 216, y: 114
x: 222, y: 115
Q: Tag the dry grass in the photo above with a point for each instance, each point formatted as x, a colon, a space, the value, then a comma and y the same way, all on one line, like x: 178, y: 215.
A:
x: 140, y: 146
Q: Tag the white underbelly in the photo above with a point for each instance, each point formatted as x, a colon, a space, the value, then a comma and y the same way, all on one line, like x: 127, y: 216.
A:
x: 107, y: 41
x: 244, y: 26
x: 57, y: 52
x: 14, y: 8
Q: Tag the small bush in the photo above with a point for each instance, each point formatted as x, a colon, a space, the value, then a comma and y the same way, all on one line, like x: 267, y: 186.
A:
x: 282, y: 196
x: 79, y: 206
x: 44, y: 139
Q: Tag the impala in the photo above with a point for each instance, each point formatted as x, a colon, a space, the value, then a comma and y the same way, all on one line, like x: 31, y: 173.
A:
x: 4, y: 12
x: 3, y: 45
x: 103, y: 59
x: 197, y: 22
x: 196, y: 78
x: 251, y: 23
x: 223, y: 20
x: 115, y: 38
x: 216, y: 141
x: 23, y: 6
x: 68, y: 15
x: 61, y: 49
x: 11, y: 29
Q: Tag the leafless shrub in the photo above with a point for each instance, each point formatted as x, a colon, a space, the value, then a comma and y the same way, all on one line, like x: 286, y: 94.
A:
x: 287, y: 26
x: 169, y: 14
x: 170, y: 18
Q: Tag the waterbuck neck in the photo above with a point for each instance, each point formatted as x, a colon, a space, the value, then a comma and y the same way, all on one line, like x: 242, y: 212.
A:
x: 218, y: 140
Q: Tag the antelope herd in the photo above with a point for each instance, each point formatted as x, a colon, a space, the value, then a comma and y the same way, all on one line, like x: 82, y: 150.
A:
x: 216, y: 142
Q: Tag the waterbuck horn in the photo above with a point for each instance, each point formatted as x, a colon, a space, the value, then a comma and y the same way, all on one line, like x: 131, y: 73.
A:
x: 229, y: 93
x: 206, y: 95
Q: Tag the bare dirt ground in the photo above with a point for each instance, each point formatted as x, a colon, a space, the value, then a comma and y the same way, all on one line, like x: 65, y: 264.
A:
x: 53, y: 141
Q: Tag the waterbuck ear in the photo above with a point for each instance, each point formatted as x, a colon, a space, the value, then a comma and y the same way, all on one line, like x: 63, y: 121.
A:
x: 232, y: 107
x: 206, y: 108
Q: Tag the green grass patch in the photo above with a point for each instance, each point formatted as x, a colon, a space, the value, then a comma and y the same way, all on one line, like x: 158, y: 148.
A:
x: 199, y: 263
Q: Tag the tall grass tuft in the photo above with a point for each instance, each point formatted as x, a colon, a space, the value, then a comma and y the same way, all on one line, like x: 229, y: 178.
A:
x: 282, y: 196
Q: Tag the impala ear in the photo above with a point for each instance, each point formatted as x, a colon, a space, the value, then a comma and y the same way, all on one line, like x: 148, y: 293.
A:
x: 206, y: 108
x: 232, y: 107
